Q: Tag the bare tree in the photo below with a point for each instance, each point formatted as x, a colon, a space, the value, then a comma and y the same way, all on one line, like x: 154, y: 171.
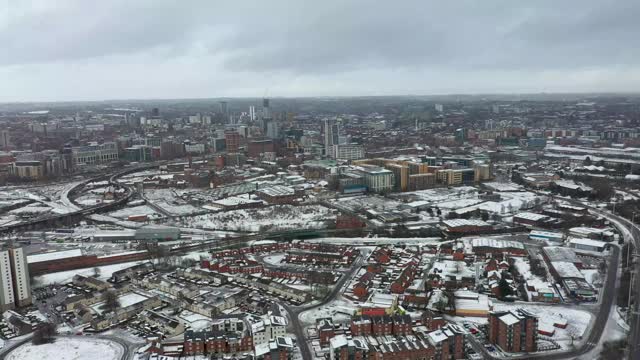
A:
x: 110, y: 298
x: 44, y: 333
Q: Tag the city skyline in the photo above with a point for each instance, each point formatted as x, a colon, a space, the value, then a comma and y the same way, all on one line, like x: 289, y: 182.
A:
x: 107, y: 51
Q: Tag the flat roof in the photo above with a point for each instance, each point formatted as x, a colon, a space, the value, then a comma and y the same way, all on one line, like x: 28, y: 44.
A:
x: 53, y: 255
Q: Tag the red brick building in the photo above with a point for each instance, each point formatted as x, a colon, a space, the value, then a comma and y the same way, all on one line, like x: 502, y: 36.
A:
x: 326, y: 330
x: 513, y: 331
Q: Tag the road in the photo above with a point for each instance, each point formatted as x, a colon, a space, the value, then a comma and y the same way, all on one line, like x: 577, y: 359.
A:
x: 634, y: 336
x: 608, y: 296
x: 631, y: 234
x: 295, y: 311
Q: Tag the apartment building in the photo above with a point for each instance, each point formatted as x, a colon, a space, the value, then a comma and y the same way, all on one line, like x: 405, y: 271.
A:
x: 15, y: 288
x: 514, y: 330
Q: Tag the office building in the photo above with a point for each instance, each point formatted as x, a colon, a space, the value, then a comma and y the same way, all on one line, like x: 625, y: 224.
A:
x: 377, y: 179
x: 95, y: 153
x: 5, y: 139
x: 252, y: 113
x: 331, y: 134
x: 224, y: 110
x: 348, y: 151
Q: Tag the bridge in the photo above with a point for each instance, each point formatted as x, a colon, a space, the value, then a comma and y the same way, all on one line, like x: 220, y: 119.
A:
x: 74, y: 217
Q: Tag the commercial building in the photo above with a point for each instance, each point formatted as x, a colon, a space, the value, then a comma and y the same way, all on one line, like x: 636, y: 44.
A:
x: 464, y: 226
x: 377, y: 179
x: 348, y: 151
x: 588, y: 245
x: 514, y: 330
x: 530, y: 219
x: 95, y: 153
x: 331, y: 133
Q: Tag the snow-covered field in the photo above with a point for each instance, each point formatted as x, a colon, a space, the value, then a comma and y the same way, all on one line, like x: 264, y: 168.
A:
x: 270, y: 218
x: 274, y: 259
x: 178, y: 209
x: 135, y: 210
x: 77, y: 348
x: 66, y: 276
x: 338, y: 310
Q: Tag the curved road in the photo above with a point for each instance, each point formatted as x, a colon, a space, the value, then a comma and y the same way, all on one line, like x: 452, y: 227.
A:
x: 295, y: 311
x: 608, y: 296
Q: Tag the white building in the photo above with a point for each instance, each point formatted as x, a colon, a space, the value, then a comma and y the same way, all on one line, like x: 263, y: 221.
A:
x: 15, y: 288
x: 7, y: 298
x: 95, y: 153
x: 20, y: 271
x: 268, y: 328
x: 194, y: 148
x: 348, y: 151
x: 377, y: 179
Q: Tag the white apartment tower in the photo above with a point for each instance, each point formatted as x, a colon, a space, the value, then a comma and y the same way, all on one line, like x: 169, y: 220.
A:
x: 15, y: 288
x: 7, y: 299
x: 20, y: 269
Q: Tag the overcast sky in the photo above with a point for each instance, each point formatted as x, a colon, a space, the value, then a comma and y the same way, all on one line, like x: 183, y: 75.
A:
x: 119, y: 49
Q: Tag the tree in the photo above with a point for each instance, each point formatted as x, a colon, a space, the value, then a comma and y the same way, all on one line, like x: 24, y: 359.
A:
x: 44, y: 333
x: 505, y: 288
x: 484, y: 215
x: 613, y: 350
x: 110, y: 298
x: 602, y: 189
x: 96, y: 272
x: 587, y: 161
x: 438, y: 211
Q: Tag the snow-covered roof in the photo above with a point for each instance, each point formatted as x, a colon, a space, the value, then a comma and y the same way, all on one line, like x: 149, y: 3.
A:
x: 338, y: 341
x: 545, y: 234
x: 464, y: 222
x: 530, y: 216
x: 437, y: 336
x: 569, y: 184
x: 566, y: 269
x: 509, y: 319
x: 588, y: 242
x: 495, y: 243
x: 53, y: 255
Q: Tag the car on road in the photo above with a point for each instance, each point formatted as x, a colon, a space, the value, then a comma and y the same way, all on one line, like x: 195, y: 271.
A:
x: 490, y: 348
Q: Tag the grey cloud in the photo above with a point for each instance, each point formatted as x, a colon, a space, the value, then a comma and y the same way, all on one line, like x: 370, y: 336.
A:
x: 315, y: 47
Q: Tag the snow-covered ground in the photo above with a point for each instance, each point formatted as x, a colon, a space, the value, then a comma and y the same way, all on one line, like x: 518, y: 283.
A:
x: 276, y: 217
x: 275, y: 259
x: 178, y: 209
x: 195, y: 321
x: 577, y: 320
x: 338, y: 310
x: 135, y: 210
x: 67, y: 348
x: 66, y: 276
